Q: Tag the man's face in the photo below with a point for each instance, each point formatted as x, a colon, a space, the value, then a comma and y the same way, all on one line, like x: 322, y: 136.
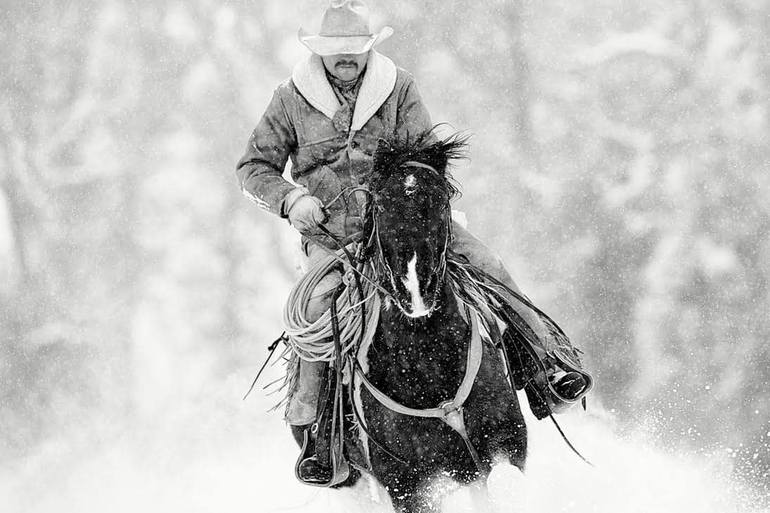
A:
x: 345, y: 66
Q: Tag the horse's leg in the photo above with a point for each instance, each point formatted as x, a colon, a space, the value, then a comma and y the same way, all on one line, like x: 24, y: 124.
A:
x: 509, y: 488
x: 480, y: 499
x: 469, y: 498
x: 408, y: 495
x: 415, y: 503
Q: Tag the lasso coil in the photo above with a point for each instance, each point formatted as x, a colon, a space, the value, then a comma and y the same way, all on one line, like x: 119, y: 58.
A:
x: 312, y: 341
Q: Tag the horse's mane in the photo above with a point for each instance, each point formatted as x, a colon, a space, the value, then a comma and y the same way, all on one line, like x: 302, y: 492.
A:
x: 426, y: 148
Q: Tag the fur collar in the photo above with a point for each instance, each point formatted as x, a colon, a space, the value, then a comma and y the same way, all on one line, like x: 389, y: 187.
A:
x: 379, y: 80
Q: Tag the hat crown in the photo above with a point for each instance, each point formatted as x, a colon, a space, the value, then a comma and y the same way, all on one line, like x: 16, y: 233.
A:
x: 346, y: 18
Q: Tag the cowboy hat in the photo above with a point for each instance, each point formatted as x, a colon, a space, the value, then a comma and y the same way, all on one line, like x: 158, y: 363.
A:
x: 344, y: 29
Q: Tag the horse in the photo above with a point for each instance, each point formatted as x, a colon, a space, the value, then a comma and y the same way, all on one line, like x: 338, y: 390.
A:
x: 432, y: 394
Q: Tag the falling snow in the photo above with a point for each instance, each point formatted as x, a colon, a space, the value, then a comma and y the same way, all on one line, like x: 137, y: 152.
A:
x: 618, y: 164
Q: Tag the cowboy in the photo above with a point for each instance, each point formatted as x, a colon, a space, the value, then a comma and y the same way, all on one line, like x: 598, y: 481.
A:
x: 328, y: 118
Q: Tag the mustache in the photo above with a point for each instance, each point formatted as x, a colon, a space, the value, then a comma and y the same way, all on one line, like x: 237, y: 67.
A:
x: 346, y: 63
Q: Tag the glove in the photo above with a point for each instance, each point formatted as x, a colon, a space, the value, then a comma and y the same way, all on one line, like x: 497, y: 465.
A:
x: 306, y: 213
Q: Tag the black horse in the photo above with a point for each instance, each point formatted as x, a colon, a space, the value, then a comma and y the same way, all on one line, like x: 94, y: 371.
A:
x: 421, y: 358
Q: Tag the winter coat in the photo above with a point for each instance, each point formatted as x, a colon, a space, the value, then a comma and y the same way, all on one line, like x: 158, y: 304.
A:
x: 327, y: 161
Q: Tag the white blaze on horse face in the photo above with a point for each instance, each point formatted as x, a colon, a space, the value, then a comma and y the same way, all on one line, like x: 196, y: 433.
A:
x: 412, y: 284
x: 410, y: 185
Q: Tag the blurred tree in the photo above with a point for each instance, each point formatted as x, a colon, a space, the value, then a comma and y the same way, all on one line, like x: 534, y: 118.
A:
x: 45, y: 118
x: 657, y: 214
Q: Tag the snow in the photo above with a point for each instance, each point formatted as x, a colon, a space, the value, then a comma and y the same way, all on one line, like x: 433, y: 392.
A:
x: 211, y: 452
x: 619, y: 167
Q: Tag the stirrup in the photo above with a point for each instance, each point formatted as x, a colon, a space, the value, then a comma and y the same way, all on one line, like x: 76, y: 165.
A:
x: 568, y: 385
x: 545, y: 398
x: 560, y: 399
x: 338, y: 473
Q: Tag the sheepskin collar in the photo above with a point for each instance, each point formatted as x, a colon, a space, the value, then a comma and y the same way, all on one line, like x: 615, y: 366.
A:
x: 379, y: 80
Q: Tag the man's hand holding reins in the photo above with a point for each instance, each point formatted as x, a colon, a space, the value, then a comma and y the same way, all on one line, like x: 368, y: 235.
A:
x: 306, y: 213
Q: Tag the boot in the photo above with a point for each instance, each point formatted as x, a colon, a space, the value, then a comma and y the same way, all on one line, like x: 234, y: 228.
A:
x: 554, y: 389
x: 321, y: 461
x: 553, y: 380
x: 568, y: 385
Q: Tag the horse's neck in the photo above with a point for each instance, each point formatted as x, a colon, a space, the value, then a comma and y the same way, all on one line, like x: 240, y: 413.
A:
x: 420, y: 362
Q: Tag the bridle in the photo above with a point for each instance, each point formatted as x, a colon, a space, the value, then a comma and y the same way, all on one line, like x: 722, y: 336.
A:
x: 439, y: 272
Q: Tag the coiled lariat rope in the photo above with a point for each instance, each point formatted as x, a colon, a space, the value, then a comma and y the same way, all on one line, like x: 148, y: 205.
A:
x: 313, y: 341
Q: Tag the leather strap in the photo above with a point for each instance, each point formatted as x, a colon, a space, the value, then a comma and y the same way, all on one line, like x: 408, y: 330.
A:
x: 475, y: 352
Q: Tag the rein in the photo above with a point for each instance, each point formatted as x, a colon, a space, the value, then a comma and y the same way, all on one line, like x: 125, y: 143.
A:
x: 350, y: 262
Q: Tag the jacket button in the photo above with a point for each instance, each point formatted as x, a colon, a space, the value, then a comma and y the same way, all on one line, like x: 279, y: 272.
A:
x: 361, y: 181
x: 354, y: 144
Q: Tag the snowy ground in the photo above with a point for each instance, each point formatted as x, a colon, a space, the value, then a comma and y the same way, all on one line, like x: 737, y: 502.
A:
x: 217, y: 453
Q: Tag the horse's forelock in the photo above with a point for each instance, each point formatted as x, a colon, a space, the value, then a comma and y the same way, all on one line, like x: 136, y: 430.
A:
x: 426, y: 148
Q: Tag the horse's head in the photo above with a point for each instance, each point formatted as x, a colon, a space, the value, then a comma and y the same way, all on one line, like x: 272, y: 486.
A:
x: 411, y: 218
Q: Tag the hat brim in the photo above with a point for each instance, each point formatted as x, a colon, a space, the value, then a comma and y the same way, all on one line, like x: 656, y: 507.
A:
x: 333, y: 45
